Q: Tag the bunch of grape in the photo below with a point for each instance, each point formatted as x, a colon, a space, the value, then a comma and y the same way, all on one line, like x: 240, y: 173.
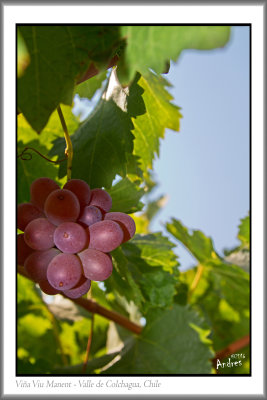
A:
x: 68, y: 235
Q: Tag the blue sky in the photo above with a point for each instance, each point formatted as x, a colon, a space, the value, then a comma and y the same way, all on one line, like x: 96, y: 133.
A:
x: 204, y: 169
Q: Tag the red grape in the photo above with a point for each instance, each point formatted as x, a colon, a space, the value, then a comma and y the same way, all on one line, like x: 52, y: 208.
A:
x: 62, y: 206
x: 23, y: 250
x: 125, y: 221
x: 47, y: 288
x: 81, y: 189
x: 36, y: 264
x: 64, y: 271
x: 100, y: 198
x: 40, y: 189
x: 105, y: 236
x: 70, y: 237
x: 97, y: 266
x: 80, y: 289
x: 27, y: 212
x: 39, y: 234
x: 90, y: 215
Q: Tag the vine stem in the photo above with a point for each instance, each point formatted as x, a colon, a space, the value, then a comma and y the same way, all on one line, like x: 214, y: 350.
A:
x: 96, y: 308
x: 69, y: 148
x: 90, y: 337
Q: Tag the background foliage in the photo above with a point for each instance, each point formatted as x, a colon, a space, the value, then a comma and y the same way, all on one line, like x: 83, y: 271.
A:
x: 187, y: 317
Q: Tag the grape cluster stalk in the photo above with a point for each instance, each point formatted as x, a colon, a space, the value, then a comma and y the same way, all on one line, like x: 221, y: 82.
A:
x: 68, y: 235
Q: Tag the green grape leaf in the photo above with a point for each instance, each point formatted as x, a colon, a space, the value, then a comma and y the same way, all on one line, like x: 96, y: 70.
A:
x: 126, y: 196
x: 199, y: 245
x: 104, y: 141
x: 169, y: 344
x: 143, y: 277
x: 155, y: 249
x: 99, y: 146
x: 59, y: 54
x: 150, y: 47
x: 88, y: 88
x: 160, y: 114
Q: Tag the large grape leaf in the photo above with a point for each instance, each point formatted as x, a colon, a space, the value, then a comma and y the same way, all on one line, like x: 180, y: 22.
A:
x: 34, y: 166
x: 99, y: 146
x: 172, y: 342
x: 160, y: 114
x: 145, y: 272
x: 59, y: 53
x: 103, y: 143
x: 150, y: 47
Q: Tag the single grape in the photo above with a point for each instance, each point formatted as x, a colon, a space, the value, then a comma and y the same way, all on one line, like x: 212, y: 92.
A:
x: 62, y: 206
x: 81, y: 189
x: 64, y: 271
x: 23, y: 250
x: 100, y: 198
x: 97, y: 266
x: 79, y: 290
x: 90, y: 215
x: 40, y: 189
x: 105, y: 236
x: 47, y: 288
x: 126, y: 223
x: 27, y: 212
x: 36, y: 264
x: 39, y: 234
x: 70, y: 237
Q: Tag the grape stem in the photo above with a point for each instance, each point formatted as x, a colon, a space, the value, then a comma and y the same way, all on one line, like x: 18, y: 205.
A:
x: 69, y: 148
x: 93, y: 307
